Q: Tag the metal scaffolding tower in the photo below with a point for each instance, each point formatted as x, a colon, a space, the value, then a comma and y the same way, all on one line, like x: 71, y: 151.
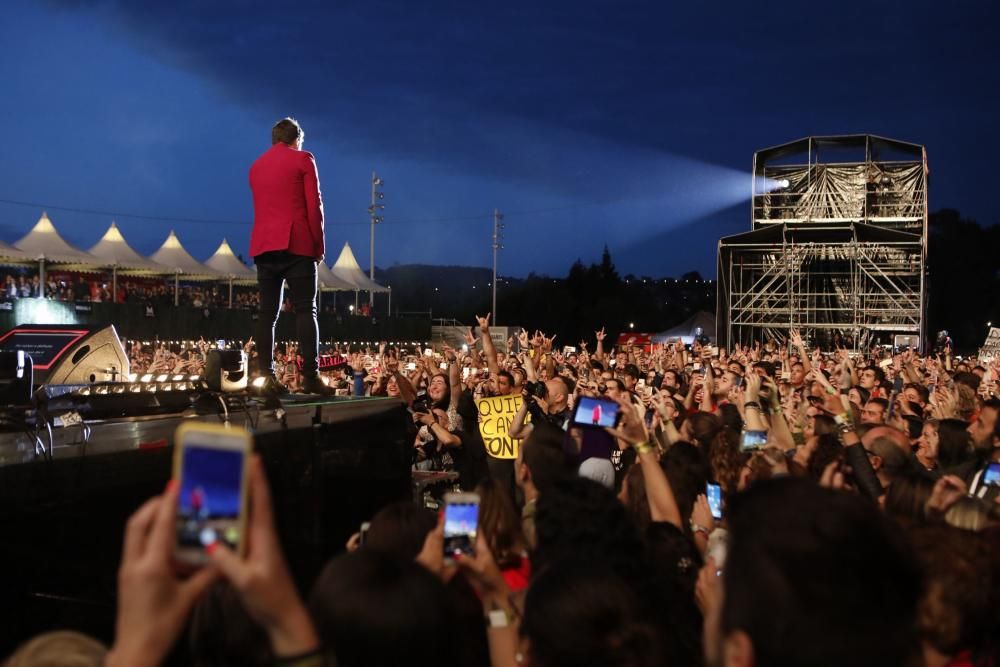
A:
x: 838, y: 245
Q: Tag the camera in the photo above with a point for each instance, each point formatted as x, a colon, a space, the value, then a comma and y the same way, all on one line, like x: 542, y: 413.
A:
x: 422, y: 404
x: 536, y: 389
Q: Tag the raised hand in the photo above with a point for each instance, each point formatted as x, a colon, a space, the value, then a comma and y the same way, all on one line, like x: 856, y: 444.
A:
x: 600, y: 335
x: 484, y: 324
x: 153, y: 600
x: 470, y: 339
x: 261, y: 578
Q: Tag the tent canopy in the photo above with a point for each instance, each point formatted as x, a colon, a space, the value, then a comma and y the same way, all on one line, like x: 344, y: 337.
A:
x: 347, y: 269
x: 225, y: 261
x: 687, y: 330
x: 45, y: 242
x: 114, y: 250
x: 328, y: 281
x: 12, y: 254
x: 173, y: 255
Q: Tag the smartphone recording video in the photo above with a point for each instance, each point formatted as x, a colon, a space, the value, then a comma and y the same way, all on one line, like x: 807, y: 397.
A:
x: 461, y: 521
x: 750, y: 440
x: 210, y: 464
x: 992, y: 475
x: 714, y: 494
x: 595, y: 412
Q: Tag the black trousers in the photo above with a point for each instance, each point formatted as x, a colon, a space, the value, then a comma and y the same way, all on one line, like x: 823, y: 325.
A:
x: 273, y: 270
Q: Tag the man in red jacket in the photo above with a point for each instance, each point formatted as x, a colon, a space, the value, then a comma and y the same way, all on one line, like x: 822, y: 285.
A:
x: 286, y: 242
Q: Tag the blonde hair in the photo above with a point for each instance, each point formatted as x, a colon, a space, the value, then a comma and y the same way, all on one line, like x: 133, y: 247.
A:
x: 62, y: 648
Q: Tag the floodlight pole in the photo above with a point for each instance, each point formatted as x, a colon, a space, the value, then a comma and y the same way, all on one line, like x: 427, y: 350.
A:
x: 497, y: 237
x: 373, y: 209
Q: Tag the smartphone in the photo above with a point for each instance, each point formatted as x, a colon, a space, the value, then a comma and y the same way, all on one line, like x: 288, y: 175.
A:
x: 714, y: 494
x: 750, y: 440
x: 595, y: 412
x: 363, y: 533
x: 569, y: 349
x: 210, y: 467
x: 428, y: 352
x: 465, y: 373
x: 786, y: 376
x: 992, y: 475
x: 221, y: 343
x: 443, y: 365
x: 461, y: 521
x: 412, y: 366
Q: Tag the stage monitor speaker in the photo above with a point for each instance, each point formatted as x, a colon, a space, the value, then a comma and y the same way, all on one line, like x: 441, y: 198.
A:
x: 70, y: 354
x: 226, y: 370
x: 15, y: 378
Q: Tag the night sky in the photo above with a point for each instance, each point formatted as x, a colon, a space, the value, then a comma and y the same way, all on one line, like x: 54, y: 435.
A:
x: 627, y: 123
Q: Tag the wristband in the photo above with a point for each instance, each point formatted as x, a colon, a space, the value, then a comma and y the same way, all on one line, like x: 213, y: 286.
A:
x: 831, y: 391
x: 751, y: 404
x: 695, y: 528
x: 643, y: 448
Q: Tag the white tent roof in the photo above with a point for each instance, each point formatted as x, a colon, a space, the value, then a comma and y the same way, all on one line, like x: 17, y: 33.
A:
x: 227, y: 263
x: 173, y: 255
x: 329, y: 281
x: 687, y: 330
x: 9, y: 252
x: 114, y: 250
x: 347, y: 269
x: 45, y: 242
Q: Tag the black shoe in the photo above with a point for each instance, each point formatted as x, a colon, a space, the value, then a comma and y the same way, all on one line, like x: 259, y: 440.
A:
x: 313, y: 384
x: 271, y: 387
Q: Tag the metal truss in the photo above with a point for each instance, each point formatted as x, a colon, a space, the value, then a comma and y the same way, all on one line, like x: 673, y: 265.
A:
x: 838, y: 249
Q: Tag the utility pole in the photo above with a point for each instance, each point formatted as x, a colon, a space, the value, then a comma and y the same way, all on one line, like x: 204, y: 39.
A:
x: 373, y: 209
x: 497, y: 237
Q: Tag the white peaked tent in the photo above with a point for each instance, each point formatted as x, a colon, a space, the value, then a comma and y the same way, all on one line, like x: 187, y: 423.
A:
x: 114, y: 251
x: 330, y: 282
x: 225, y: 261
x: 12, y: 254
x: 173, y: 255
x: 44, y: 244
x: 347, y: 269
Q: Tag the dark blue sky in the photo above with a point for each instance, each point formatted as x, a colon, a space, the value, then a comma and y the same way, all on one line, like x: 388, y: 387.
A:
x: 626, y: 123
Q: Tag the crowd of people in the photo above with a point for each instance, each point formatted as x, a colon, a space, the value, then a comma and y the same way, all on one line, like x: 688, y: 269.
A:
x: 97, y: 288
x: 859, y: 519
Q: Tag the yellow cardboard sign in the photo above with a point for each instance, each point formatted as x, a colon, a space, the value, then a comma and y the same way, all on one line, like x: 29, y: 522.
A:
x: 496, y: 414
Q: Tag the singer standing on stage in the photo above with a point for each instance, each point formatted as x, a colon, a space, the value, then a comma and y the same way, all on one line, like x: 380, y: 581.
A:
x: 286, y: 242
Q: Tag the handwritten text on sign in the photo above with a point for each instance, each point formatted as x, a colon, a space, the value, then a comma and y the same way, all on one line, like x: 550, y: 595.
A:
x: 495, y: 417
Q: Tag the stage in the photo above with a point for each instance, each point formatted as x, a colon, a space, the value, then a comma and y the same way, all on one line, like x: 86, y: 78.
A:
x: 64, y: 499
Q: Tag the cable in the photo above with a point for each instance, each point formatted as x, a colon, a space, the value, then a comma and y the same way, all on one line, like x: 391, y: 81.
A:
x: 343, y: 223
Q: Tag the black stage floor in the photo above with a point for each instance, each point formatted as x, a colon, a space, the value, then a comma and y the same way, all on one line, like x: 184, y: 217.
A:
x: 331, y: 464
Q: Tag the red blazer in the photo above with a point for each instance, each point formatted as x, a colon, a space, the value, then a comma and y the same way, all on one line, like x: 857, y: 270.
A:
x: 287, y: 205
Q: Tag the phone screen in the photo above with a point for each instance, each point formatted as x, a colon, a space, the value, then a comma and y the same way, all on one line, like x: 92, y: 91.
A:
x: 752, y: 440
x: 211, y: 496
x: 592, y: 411
x: 714, y: 494
x: 992, y: 475
x: 461, y: 520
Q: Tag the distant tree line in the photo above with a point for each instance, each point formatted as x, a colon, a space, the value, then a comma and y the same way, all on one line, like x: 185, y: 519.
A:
x: 964, y: 291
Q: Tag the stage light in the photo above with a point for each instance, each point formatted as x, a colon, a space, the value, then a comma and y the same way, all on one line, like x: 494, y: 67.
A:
x: 177, y: 377
x: 148, y: 377
x: 259, y: 382
x: 132, y: 377
x: 783, y: 183
x: 162, y: 377
x: 194, y: 378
